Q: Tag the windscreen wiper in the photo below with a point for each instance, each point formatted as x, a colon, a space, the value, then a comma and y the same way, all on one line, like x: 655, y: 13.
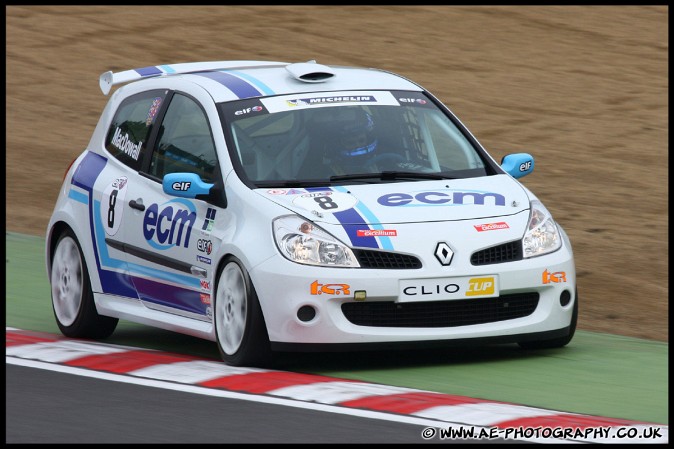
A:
x: 388, y: 176
x: 291, y: 184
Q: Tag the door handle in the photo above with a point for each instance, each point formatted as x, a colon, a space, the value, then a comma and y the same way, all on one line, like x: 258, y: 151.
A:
x: 137, y: 204
x: 198, y: 271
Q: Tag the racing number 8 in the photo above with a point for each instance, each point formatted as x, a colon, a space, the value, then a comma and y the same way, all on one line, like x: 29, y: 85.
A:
x: 111, y: 209
x: 326, y: 202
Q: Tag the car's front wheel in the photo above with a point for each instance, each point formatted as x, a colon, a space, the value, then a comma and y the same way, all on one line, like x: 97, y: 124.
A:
x: 240, y: 328
x: 72, y: 297
x: 556, y: 342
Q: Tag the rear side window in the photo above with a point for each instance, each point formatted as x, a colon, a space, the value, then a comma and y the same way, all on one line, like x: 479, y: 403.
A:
x: 130, y: 129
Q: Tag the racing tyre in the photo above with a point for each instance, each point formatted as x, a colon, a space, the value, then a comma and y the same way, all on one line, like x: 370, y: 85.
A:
x: 71, y: 294
x: 555, y: 342
x: 240, y: 329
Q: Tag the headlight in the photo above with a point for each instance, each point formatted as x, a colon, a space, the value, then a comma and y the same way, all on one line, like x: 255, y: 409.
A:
x: 303, y: 242
x: 542, y: 235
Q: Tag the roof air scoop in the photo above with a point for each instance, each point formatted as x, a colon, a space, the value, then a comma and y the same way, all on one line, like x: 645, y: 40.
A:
x: 310, y: 72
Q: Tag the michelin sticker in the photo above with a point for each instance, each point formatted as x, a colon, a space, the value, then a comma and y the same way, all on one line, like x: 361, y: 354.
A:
x: 346, y: 98
x: 330, y: 202
x: 112, y: 205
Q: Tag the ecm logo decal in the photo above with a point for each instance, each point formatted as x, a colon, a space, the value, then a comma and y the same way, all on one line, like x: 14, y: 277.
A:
x: 169, y: 224
x: 449, y: 197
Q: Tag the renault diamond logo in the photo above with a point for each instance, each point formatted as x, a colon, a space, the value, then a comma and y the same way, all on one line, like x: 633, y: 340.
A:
x: 444, y: 253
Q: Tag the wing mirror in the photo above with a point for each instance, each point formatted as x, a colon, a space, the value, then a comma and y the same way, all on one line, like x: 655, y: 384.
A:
x: 518, y: 165
x: 190, y: 185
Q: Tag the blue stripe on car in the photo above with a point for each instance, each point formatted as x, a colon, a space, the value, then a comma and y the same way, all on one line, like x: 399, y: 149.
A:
x: 351, y: 222
x: 88, y: 171
x: 239, y: 87
x: 372, y: 218
x: 170, y: 296
x: 318, y: 189
x: 148, y: 71
x: 78, y: 196
x: 259, y: 84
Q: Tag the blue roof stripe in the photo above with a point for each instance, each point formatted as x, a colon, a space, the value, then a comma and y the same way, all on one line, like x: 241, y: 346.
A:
x: 148, y: 71
x: 240, y: 87
x: 259, y: 84
x: 167, y: 68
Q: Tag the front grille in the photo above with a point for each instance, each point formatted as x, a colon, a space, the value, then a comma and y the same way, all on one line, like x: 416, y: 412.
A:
x: 385, y: 260
x: 462, y: 312
x: 507, y: 252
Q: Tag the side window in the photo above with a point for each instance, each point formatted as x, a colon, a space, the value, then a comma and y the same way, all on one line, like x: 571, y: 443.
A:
x: 184, y: 143
x: 129, y: 131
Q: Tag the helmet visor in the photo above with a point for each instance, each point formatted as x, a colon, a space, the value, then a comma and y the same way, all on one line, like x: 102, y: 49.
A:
x: 358, y: 139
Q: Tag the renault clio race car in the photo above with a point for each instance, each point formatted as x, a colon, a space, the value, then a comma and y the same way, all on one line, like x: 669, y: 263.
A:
x: 271, y: 206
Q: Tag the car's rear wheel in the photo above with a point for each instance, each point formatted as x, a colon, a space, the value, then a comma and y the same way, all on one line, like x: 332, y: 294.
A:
x: 72, y: 297
x: 556, y: 342
x: 240, y: 329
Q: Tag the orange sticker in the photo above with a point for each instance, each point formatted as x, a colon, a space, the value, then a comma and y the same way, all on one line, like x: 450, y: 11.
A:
x: 330, y: 289
x: 556, y: 277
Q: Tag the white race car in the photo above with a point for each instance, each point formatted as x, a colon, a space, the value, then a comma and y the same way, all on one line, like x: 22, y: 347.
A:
x: 271, y: 206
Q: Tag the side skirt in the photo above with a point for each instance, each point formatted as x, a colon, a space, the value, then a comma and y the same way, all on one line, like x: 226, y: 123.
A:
x: 134, y: 310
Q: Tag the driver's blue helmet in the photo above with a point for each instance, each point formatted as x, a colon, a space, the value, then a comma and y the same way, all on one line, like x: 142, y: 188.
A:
x: 354, y: 137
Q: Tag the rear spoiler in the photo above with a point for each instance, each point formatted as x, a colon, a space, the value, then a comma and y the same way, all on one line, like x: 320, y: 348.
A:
x: 109, y: 79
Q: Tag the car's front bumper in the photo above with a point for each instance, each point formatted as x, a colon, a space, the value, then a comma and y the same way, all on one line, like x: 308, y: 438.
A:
x: 284, y: 288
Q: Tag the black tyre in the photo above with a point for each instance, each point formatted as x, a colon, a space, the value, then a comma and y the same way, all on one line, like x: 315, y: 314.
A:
x: 240, y: 329
x: 72, y: 298
x: 555, y: 342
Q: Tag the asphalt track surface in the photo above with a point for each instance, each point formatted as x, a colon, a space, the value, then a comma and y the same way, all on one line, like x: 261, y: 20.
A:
x: 45, y: 406
x: 51, y: 407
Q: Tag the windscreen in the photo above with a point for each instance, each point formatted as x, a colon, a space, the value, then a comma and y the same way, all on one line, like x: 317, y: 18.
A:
x: 330, y: 137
